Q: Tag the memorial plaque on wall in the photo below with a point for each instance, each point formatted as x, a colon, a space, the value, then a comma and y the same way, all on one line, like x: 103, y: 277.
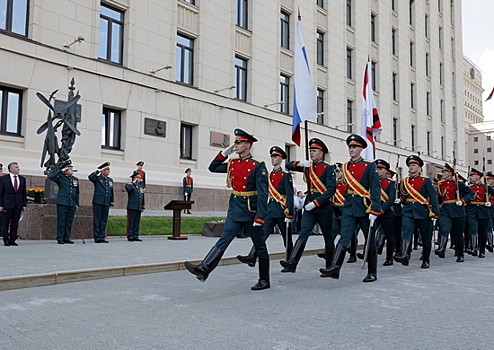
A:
x: 218, y: 139
x: 154, y: 127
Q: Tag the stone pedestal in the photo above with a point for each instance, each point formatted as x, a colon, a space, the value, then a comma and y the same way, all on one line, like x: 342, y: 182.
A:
x: 40, y: 222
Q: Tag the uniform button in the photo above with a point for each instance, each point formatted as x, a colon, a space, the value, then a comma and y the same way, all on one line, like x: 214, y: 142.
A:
x: 245, y: 178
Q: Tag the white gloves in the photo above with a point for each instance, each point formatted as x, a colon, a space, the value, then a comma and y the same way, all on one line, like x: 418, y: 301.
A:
x: 459, y: 203
x: 304, y: 163
x: 310, y: 206
x: 397, y: 201
x: 372, y: 218
x: 488, y: 204
x: 186, y: 193
x: 256, y: 224
x: 227, y: 151
x: 288, y: 221
x: 434, y: 220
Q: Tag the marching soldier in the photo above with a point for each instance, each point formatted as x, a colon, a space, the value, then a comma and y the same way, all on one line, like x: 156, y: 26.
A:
x: 102, y: 200
x: 419, y: 205
x: 248, y: 178
x: 489, y: 245
x: 67, y: 200
x: 317, y: 206
x: 280, y: 208
x: 188, y: 187
x: 388, y: 194
x: 453, y: 197
x: 135, y: 206
x: 396, y: 219
x: 142, y: 173
x: 362, y: 207
x: 478, y: 215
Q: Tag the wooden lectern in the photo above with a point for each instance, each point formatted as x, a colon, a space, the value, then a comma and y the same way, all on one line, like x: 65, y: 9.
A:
x: 177, y: 207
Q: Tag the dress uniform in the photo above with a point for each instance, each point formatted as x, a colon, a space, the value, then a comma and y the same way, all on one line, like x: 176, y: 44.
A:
x: 396, y: 219
x: 188, y: 187
x: 142, y: 173
x: 478, y: 213
x: 135, y: 206
x: 388, y: 194
x: 102, y: 200
x: 419, y: 204
x: 67, y: 200
x: 362, y: 204
x: 489, y: 245
x: 453, y: 196
x: 280, y: 209
x: 318, y: 209
x: 248, y: 178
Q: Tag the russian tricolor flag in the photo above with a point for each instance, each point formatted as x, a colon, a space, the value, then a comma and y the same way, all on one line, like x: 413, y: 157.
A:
x: 371, y: 125
x: 490, y: 95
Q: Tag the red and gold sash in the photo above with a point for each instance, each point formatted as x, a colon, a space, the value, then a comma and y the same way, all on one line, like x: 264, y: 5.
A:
x: 339, y: 198
x: 353, y: 183
x: 384, y: 196
x: 413, y: 192
x: 277, y: 196
x: 316, y: 181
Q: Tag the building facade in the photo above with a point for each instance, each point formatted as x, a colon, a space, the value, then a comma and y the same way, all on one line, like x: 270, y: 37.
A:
x: 166, y: 82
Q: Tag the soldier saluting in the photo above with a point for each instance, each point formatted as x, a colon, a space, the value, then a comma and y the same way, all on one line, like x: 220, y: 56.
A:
x: 248, y: 178
x: 135, y: 206
x: 67, y: 200
x: 102, y: 200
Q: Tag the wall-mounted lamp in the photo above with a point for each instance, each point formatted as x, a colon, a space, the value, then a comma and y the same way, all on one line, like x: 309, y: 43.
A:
x: 153, y: 71
x: 274, y: 103
x: 227, y: 88
x: 79, y: 40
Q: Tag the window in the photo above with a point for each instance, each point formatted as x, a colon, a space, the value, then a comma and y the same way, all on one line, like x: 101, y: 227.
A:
x: 320, y: 48
x: 185, y: 141
x: 412, y: 54
x: 111, y: 128
x: 489, y: 138
x: 110, y: 34
x: 374, y: 28
x: 284, y: 93
x: 192, y: 2
x: 393, y: 5
x: 476, y: 162
x: 427, y: 65
x: 240, y: 79
x: 441, y: 74
x: 285, y: 30
x: 442, y: 147
x: 395, y: 87
x: 455, y: 118
x: 428, y: 143
x: 320, y: 106
x: 14, y: 16
x: 476, y: 150
x: 475, y: 139
x: 453, y: 82
x: 185, y: 60
x: 241, y: 13
x: 412, y: 95
x: 412, y: 134
x: 441, y: 38
x: 394, y: 47
x: 349, y: 13
x: 452, y: 11
x: 442, y: 110
x: 453, y: 49
x: 349, y: 116
x: 489, y: 161
x: 428, y: 102
x: 440, y: 6
x: 427, y: 26
x: 374, y: 75
x: 395, y: 131
x: 320, y: 3
x: 349, y: 63
x: 410, y: 11
x: 10, y: 111
x: 489, y: 149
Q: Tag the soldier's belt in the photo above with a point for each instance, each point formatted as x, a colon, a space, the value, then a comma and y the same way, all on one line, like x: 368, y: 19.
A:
x: 351, y: 192
x: 244, y: 194
x: 412, y: 200
x: 450, y: 201
x: 480, y: 203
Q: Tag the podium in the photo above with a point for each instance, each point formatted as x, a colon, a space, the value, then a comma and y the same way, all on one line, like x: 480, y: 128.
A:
x: 177, y: 207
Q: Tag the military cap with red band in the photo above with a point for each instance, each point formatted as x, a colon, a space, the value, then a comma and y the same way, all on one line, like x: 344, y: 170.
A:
x: 414, y: 159
x: 242, y: 136
x: 391, y: 172
x: 277, y: 151
x: 489, y: 175
x: 356, y: 140
x: 475, y: 172
x: 448, y: 167
x: 316, y: 143
x: 381, y: 163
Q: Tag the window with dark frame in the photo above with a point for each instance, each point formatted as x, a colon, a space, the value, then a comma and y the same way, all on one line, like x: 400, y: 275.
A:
x: 442, y: 110
x: 475, y: 150
x: 284, y: 94
x: 452, y: 11
x: 441, y: 74
x: 393, y: 5
x: 111, y: 128
x: 14, y: 15
x: 395, y: 131
x: 427, y: 65
x: 192, y: 2
x: 186, y: 141
x: 349, y: 63
x: 412, y: 54
x: 10, y: 111
x: 110, y: 46
x: 395, y: 86
x: 428, y: 143
x: 393, y: 42
x: 374, y: 75
x: 412, y: 96
x: 428, y: 103
x: 240, y: 79
x: 320, y: 48
x: 410, y: 11
x: 427, y: 26
x: 374, y: 28
x: 441, y: 38
x: 241, y: 13
x: 349, y: 116
x: 185, y: 60
x: 442, y: 147
x: 412, y: 130
x: 285, y: 30
x: 349, y: 19
x: 320, y: 3
x: 476, y: 162
x: 320, y: 106
x: 440, y: 6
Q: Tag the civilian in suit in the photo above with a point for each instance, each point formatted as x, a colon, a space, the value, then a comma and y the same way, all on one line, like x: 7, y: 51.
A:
x: 13, y: 200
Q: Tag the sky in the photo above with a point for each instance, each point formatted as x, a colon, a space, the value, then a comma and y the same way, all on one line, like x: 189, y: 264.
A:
x: 478, y: 44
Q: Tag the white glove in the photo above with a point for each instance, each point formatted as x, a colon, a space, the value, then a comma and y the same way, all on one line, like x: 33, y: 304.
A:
x: 310, y: 206
x: 256, y: 224
x: 459, y: 203
x: 488, y: 204
x: 372, y: 218
x: 186, y: 193
x: 397, y: 201
x: 288, y: 221
x: 304, y: 163
x: 434, y: 220
x: 227, y: 151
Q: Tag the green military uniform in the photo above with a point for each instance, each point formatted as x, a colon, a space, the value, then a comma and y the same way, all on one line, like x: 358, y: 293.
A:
x: 135, y: 206
x: 67, y: 201
x: 102, y: 201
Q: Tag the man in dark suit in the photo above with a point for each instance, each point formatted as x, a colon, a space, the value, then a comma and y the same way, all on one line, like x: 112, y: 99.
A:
x: 13, y: 200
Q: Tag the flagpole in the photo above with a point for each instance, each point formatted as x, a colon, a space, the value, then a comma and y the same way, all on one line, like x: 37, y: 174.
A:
x: 306, y: 170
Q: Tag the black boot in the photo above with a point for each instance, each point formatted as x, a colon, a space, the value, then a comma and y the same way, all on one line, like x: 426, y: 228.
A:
x: 353, y: 250
x: 334, y: 270
x: 426, y: 255
x: 209, y: 263
x: 404, y: 257
x: 389, y: 253
x: 482, y: 244
x: 459, y: 252
x: 263, y: 282
x: 291, y: 264
x: 328, y: 255
x: 249, y: 259
x: 489, y: 246
x: 321, y: 255
x: 452, y: 245
x: 380, y: 242
x: 441, y: 251
x: 371, y: 267
x: 473, y: 243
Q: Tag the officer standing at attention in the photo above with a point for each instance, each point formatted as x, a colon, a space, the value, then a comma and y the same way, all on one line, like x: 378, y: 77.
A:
x: 318, y: 209
x: 248, y: 177
x: 419, y: 206
x: 102, y: 200
x: 135, y: 206
x: 489, y: 245
x: 280, y: 209
x: 188, y: 187
x: 142, y: 173
x: 362, y: 207
x: 452, y: 216
x: 67, y: 200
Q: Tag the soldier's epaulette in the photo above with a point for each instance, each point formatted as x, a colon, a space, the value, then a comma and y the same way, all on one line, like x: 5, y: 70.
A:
x: 256, y: 159
x: 368, y: 161
x: 326, y: 162
x: 233, y: 159
x: 129, y: 183
x: 285, y: 171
